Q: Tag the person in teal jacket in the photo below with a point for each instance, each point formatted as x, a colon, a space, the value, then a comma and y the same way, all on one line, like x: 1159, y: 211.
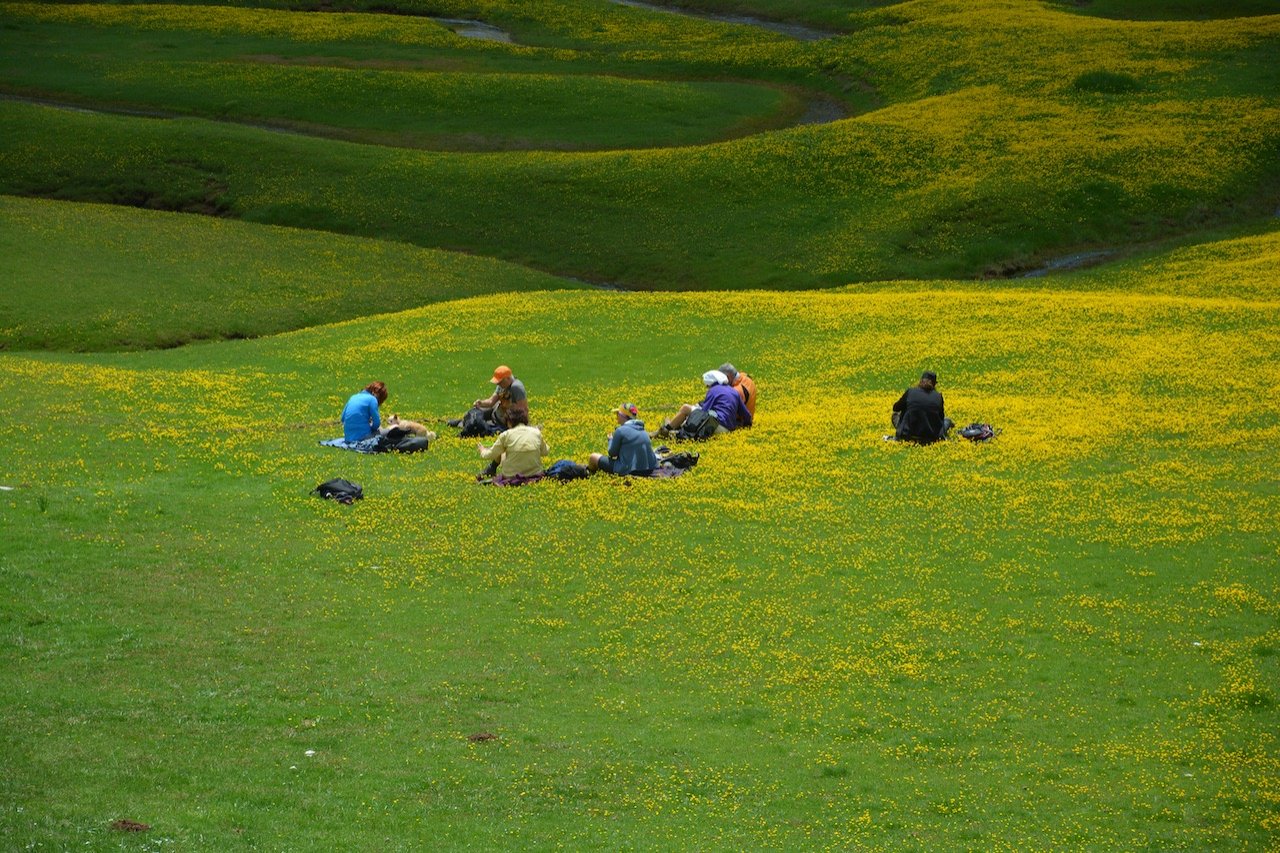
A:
x: 360, y: 418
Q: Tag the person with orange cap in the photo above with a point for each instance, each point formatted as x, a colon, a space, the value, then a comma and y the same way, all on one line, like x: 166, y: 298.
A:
x: 488, y: 415
x: 509, y: 396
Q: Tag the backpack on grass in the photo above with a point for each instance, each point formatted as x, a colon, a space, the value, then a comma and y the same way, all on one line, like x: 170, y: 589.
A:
x: 978, y: 432
x: 340, y: 490
x: 400, y: 440
x: 476, y: 424
x: 699, y: 426
x: 566, y: 469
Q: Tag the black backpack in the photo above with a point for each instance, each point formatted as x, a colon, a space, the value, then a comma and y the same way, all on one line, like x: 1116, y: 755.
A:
x: 342, y: 491
x: 402, y: 441
x: 978, y: 432
x: 683, y: 459
x: 699, y: 426
x: 476, y: 424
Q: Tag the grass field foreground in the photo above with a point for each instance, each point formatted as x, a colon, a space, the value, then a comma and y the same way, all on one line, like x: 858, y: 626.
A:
x: 1064, y: 638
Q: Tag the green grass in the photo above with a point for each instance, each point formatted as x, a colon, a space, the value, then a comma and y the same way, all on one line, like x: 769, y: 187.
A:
x: 1062, y: 639
x: 1172, y: 10
x: 85, y: 277
x: 460, y: 103
x: 814, y: 639
x: 985, y: 154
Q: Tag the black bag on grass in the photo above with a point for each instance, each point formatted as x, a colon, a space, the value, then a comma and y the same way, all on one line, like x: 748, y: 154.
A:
x: 476, y: 424
x: 403, y: 441
x: 342, y: 491
x: 978, y: 432
x: 683, y: 459
x: 699, y: 426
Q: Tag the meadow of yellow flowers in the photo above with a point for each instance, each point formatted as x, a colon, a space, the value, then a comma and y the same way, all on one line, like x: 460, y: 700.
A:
x: 1065, y: 638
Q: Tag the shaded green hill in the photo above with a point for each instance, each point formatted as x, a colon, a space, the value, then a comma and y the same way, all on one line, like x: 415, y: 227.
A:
x: 92, y: 277
x: 1009, y: 133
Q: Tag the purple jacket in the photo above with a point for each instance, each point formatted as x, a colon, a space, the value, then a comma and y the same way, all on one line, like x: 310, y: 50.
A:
x: 725, y: 403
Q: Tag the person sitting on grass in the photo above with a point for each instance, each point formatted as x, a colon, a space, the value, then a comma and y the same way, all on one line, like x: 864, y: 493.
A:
x: 919, y: 415
x: 360, y: 419
x: 489, y: 415
x: 743, y: 384
x: 517, y: 452
x: 721, y: 402
x: 630, y: 450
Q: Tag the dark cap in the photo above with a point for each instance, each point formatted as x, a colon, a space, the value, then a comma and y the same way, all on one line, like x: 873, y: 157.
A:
x: 930, y: 375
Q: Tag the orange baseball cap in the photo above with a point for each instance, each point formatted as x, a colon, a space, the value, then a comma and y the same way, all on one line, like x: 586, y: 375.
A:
x: 500, y: 373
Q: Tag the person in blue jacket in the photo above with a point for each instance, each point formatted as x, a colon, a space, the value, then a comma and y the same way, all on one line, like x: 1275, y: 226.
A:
x: 360, y: 419
x: 630, y: 449
x: 722, y: 402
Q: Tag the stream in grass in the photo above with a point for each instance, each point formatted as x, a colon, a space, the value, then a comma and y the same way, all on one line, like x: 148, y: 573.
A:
x: 796, y: 31
x: 468, y: 28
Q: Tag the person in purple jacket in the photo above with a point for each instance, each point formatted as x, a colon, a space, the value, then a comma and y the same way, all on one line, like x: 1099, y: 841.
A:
x: 722, y: 402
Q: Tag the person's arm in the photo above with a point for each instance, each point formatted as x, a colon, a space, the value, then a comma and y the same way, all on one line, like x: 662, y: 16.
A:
x: 494, y: 452
x: 942, y: 408
x: 544, y: 449
x: 744, y: 414
x: 901, y: 405
x: 488, y: 402
x: 375, y: 420
x: 615, y: 443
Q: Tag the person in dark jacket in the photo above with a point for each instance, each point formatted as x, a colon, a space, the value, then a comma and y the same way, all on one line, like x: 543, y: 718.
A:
x: 630, y: 449
x: 919, y: 415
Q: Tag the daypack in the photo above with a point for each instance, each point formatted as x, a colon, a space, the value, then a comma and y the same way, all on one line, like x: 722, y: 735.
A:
x: 683, y: 459
x: 342, y: 491
x: 400, y: 440
x: 476, y: 424
x: 566, y: 469
x: 700, y: 425
x: 978, y: 432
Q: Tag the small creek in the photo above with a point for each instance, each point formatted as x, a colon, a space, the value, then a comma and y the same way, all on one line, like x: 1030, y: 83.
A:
x: 474, y: 29
x: 1078, y: 260
x: 795, y: 31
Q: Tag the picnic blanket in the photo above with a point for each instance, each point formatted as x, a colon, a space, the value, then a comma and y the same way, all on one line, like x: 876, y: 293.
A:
x: 364, y: 445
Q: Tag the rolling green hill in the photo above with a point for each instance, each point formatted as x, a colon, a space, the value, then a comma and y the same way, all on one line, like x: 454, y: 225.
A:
x: 1000, y: 145
x: 1065, y: 638
x: 91, y: 277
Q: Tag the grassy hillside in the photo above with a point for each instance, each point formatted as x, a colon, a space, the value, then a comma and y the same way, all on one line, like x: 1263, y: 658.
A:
x: 1011, y: 133
x: 91, y: 277
x: 1064, y: 638
x: 454, y: 100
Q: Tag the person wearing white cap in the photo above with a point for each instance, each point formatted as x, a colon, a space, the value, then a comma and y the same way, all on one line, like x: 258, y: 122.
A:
x: 722, y: 403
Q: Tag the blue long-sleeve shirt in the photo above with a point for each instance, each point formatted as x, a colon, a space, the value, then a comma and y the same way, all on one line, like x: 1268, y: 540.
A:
x: 631, y: 449
x: 360, y: 417
x: 725, y: 403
